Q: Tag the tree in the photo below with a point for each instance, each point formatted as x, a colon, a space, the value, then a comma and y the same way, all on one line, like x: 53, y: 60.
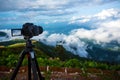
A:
x: 74, y: 63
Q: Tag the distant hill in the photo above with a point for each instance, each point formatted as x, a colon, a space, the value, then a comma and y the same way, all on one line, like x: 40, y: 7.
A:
x: 2, y: 34
x: 108, y: 55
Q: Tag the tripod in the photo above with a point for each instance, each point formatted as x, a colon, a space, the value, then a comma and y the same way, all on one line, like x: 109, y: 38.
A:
x: 32, y: 62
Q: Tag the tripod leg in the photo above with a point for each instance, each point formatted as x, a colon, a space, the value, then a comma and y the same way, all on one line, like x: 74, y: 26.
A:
x: 33, y: 65
x: 37, y: 66
x: 29, y: 67
x: 22, y: 55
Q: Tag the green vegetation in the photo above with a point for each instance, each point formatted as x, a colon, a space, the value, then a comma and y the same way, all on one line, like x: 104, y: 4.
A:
x: 48, y: 55
x: 56, y: 57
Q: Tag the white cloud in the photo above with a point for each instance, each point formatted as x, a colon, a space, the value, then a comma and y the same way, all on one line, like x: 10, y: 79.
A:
x: 22, y: 5
x: 54, y: 38
x: 34, y: 10
x: 79, y: 19
x: 104, y: 16
x: 106, y: 32
x: 107, y: 14
x: 8, y: 5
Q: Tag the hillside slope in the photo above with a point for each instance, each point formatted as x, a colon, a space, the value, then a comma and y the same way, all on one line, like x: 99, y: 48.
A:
x: 96, y: 52
x: 40, y: 49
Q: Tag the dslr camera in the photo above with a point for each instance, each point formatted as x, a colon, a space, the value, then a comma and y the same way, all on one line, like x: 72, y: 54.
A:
x: 28, y: 30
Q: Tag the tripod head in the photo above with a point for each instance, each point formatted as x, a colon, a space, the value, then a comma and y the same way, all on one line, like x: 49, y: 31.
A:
x: 29, y: 44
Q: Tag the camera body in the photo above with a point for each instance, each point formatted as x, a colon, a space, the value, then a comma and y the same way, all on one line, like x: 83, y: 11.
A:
x: 28, y: 30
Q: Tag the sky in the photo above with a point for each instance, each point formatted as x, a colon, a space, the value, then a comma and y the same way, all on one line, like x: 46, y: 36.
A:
x: 65, y: 21
x: 46, y: 12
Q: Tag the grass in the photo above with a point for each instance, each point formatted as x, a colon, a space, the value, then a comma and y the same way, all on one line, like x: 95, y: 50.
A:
x: 16, y: 45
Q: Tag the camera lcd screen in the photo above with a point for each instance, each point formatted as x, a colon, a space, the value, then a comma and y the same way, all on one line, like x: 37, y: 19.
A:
x: 16, y: 32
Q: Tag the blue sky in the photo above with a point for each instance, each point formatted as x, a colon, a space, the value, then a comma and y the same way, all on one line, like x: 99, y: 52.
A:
x: 46, y: 12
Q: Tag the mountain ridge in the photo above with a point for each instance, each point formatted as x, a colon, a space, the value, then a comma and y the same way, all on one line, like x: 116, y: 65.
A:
x: 96, y: 52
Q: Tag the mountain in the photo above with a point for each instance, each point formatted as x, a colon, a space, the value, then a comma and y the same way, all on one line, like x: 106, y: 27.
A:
x: 96, y: 52
x: 40, y: 49
x: 105, y: 52
x: 3, y: 35
x: 102, y: 52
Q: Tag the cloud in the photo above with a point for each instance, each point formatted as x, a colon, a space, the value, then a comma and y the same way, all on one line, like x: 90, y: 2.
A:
x: 104, y: 26
x: 38, y: 10
x: 97, y: 19
x: 106, y: 32
x: 43, y: 5
x: 110, y: 13
x: 22, y: 5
